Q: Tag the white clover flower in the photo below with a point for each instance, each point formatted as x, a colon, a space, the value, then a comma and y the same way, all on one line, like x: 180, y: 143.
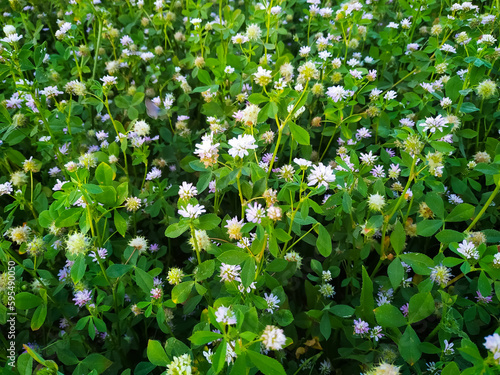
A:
x: 180, y: 365
x: 441, y: 275
x: 468, y: 249
x: 225, y: 315
x: 263, y: 76
x: 376, y: 202
x: 187, y: 191
x: 272, y: 302
x: 191, y: 211
x: 139, y: 243
x: 77, y: 244
x: 336, y: 93
x: 109, y: 81
x: 174, y: 275
x: 230, y: 272
x: 19, y: 234
x: 241, y: 145
x: 255, y: 213
x: 9, y: 29
x: 273, y: 338
x: 141, y: 128
x: 493, y: 345
x: 253, y: 32
x: 437, y: 123
x: 321, y: 175
x: 327, y: 290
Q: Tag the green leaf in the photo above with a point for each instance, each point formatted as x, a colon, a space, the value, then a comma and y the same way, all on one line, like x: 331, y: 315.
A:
x: 118, y: 270
x: 344, y: 311
x: 257, y: 98
x: 389, y: 315
x: 204, y: 337
x: 453, y: 86
x: 240, y: 366
x: 37, y: 357
x: 396, y: 272
x: 122, y: 193
x: 427, y: 228
x: 462, y: 212
x: 209, y: 221
x: 176, y: 229
x: 45, y: 219
x: 204, y: 77
x: 39, y: 317
x: 104, y: 174
x: 144, y: 280
x: 277, y: 265
x: 442, y: 146
x: 470, y: 352
x: 120, y: 223
x: 219, y: 357
x: 366, y: 300
x: 468, y: 107
x: 409, y: 346
x: 78, y: 269
x: 324, y: 242
x: 284, y: 317
x: 92, y: 188
x: 122, y: 102
x: 449, y: 236
x: 248, y: 272
x: 137, y: 98
x: 435, y: 203
x: 428, y: 348
x: 451, y: 369
x: 282, y: 235
x: 420, y: 263
x: 156, y: 354
x: 97, y: 362
x: 25, y: 364
x: 300, y: 135
x: 233, y: 257
x: 205, y: 270
x: 398, y: 238
x: 483, y: 284
x: 68, y: 217
x: 346, y: 203
x: 325, y: 326
x: 421, y: 306
x: 181, y: 291
x: 267, y: 365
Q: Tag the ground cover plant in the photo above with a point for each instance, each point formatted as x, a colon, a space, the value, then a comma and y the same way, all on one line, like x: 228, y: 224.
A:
x: 244, y: 187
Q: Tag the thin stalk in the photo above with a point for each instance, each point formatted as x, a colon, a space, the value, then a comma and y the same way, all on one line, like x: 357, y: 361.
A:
x: 391, y: 214
x: 96, y: 52
x: 486, y: 205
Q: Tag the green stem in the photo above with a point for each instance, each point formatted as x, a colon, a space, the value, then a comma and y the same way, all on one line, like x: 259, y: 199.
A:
x: 96, y: 52
x: 486, y: 205
x: 391, y: 214
x: 240, y: 193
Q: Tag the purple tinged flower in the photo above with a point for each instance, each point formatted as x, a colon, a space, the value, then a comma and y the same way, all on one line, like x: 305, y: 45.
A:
x: 404, y: 309
x: 378, y: 171
x: 481, y: 298
x: 361, y: 327
x: 82, y: 297
x: 376, y: 333
x: 101, y: 252
x: 156, y: 293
